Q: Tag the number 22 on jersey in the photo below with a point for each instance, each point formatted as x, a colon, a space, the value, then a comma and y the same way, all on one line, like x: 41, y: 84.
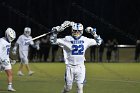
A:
x: 77, y: 49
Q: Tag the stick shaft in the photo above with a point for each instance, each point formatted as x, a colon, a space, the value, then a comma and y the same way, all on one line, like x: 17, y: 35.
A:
x: 39, y: 36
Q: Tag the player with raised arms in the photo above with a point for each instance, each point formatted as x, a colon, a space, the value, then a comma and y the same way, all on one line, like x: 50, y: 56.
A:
x: 74, y: 47
x: 5, y: 44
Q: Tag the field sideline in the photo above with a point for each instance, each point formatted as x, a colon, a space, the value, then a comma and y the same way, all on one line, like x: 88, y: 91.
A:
x: 101, y: 78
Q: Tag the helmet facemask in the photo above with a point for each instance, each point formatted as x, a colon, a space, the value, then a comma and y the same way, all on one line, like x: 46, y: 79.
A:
x: 77, y: 30
x: 27, y: 31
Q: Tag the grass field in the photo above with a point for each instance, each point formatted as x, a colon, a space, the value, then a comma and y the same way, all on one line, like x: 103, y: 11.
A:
x: 101, y: 78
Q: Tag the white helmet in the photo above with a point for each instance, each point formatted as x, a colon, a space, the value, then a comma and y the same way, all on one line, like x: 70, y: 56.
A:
x: 77, y: 30
x: 27, y: 31
x: 10, y: 34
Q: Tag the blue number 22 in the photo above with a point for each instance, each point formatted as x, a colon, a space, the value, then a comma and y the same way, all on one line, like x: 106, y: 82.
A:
x: 77, y: 49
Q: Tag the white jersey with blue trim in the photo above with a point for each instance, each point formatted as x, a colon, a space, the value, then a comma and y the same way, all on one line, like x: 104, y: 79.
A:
x: 74, y: 49
x: 23, y: 46
x: 4, y: 49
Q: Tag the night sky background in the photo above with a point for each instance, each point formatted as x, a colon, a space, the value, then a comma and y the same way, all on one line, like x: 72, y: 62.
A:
x: 118, y: 19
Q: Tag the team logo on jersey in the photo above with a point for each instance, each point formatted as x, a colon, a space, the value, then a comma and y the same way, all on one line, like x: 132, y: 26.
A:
x: 77, y: 42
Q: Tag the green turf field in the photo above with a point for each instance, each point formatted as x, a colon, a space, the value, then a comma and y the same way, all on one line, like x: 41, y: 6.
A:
x: 101, y: 78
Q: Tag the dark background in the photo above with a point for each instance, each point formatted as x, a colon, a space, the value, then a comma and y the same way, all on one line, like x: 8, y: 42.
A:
x: 118, y: 19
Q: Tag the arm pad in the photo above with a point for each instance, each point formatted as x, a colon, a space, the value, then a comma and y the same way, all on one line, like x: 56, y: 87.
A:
x: 98, y: 39
x: 53, y: 38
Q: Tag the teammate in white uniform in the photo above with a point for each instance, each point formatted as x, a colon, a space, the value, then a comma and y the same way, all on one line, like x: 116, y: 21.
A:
x: 23, y: 50
x: 5, y: 44
x: 74, y: 48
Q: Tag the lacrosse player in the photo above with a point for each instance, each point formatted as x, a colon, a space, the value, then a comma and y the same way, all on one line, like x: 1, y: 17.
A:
x: 74, y: 47
x: 23, y: 50
x: 5, y: 44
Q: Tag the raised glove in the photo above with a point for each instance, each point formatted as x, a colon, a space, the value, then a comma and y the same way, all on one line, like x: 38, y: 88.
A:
x: 63, y: 26
x: 66, y: 24
x: 88, y: 29
x: 91, y: 30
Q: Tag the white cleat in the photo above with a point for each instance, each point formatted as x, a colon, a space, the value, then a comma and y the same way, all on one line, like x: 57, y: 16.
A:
x: 20, y: 73
x: 11, y: 89
x: 31, y: 73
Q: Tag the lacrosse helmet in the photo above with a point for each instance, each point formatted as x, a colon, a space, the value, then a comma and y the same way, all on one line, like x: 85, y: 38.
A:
x: 27, y: 31
x: 10, y: 34
x: 77, y: 30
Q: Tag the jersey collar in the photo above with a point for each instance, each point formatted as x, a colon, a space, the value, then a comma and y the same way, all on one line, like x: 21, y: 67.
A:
x: 76, y: 38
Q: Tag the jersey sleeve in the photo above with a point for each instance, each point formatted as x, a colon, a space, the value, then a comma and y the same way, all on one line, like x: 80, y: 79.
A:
x: 62, y: 42
x: 91, y: 42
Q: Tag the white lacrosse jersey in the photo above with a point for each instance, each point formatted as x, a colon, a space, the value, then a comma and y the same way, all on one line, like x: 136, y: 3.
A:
x: 74, y: 49
x: 4, y: 49
x: 21, y: 41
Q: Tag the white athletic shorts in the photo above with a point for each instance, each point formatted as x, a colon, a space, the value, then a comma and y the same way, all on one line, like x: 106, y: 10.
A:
x: 75, y: 73
x: 23, y: 57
